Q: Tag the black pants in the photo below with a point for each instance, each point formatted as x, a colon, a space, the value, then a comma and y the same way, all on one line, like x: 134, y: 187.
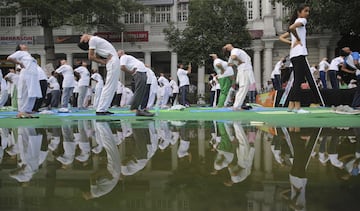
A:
x: 116, y: 100
x: 140, y: 89
x: 39, y: 101
x: 301, y: 72
x: 356, y: 101
x: 146, y: 97
x: 173, y: 98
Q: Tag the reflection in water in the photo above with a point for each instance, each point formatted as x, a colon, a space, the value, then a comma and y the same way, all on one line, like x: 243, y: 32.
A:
x: 173, y: 165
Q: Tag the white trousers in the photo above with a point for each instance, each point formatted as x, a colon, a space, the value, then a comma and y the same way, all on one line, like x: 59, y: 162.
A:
x: 97, y: 96
x: 112, y: 78
x: 242, y: 79
x: 3, y: 97
x: 166, y: 95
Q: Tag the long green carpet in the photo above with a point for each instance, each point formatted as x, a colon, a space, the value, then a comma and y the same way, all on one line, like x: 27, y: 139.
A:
x: 319, y: 117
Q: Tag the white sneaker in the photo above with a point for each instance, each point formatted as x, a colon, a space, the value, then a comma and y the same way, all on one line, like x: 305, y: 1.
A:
x: 322, y: 158
x: 301, y: 111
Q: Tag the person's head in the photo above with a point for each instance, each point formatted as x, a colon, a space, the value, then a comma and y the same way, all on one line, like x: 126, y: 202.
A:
x: 94, y: 70
x: 84, y: 64
x: 63, y: 61
x: 12, y: 70
x: 325, y: 59
x: 302, y: 11
x: 121, y: 52
x: 21, y: 47
x: 346, y: 50
x: 180, y: 65
x: 162, y: 74
x: 213, y: 56
x: 84, y: 42
x: 228, y: 47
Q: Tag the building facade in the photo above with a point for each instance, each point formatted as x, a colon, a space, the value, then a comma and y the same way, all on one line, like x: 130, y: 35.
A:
x: 144, y: 38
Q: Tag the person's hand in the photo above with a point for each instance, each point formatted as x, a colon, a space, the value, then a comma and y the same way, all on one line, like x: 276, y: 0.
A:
x: 297, y: 42
x: 21, y: 65
x: 108, y: 59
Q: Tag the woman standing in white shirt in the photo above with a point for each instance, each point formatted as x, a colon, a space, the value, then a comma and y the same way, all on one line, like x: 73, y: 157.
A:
x: 298, y: 53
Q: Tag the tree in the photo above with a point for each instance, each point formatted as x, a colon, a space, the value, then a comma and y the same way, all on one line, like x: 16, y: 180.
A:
x: 337, y: 15
x: 211, y: 24
x: 82, y: 13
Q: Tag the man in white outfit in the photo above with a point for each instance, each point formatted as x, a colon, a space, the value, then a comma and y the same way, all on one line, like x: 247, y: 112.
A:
x: 164, y: 82
x: 29, y: 86
x: 99, y: 47
x: 83, y: 84
x: 98, y: 87
x: 153, y: 89
x: 175, y: 90
x: 138, y: 70
x: 68, y: 82
x: 244, y: 76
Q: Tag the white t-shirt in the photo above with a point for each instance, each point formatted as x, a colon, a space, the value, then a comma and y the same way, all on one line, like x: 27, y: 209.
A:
x: 323, y: 65
x: 53, y: 83
x: 131, y: 63
x: 24, y: 57
x: 14, y: 78
x: 299, y: 50
x: 228, y: 70
x: 183, y: 77
x: 99, y: 80
x: 84, y: 76
x: 68, y: 73
x: 163, y: 81
x: 335, y: 63
x: 102, y: 47
x: 41, y: 74
x: 149, y: 74
x: 277, y: 68
x: 120, y: 88
x: 174, y: 86
x: 243, y: 56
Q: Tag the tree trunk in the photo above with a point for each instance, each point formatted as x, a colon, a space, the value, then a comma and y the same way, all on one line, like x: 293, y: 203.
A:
x: 49, y: 45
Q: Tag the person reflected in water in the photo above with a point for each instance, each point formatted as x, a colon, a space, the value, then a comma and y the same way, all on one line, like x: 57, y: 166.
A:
x: 240, y: 168
x: 224, y: 144
x: 302, y: 143
x: 104, y: 180
x: 33, y: 150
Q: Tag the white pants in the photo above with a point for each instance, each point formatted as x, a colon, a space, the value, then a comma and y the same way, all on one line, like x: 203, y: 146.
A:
x: 3, y: 97
x: 242, y: 79
x: 166, y: 95
x: 82, y: 96
x: 112, y: 78
x: 97, y: 96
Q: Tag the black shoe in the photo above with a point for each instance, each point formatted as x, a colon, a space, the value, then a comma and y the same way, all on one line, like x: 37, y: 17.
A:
x: 144, y: 113
x: 103, y: 113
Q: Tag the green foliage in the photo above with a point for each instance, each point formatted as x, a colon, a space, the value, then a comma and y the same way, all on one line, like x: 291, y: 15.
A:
x: 211, y: 25
x: 84, y: 13
x: 337, y: 15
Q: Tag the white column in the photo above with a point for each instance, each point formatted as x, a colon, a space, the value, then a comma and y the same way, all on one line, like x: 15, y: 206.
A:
x: 201, y: 140
x: 43, y: 60
x: 322, y: 45
x: 174, y: 157
x: 174, y: 61
x: 174, y: 11
x: 268, y: 66
x: 256, y: 11
x: 268, y: 158
x: 69, y: 59
x: 148, y: 58
x: 267, y: 7
x: 257, y: 46
x: 201, y: 83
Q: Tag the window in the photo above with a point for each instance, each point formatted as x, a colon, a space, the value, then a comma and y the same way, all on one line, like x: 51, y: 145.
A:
x: 29, y: 19
x: 183, y: 12
x: 134, y: 17
x: 249, y: 9
x: 6, y: 20
x: 285, y: 12
x: 260, y: 10
x: 161, y: 14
